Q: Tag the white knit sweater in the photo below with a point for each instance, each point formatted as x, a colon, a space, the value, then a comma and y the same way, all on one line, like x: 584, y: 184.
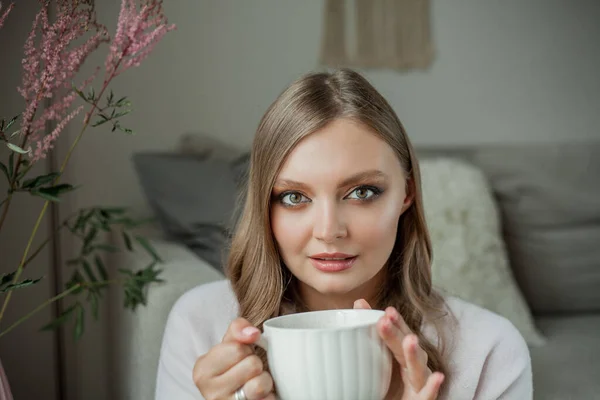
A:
x: 488, y: 357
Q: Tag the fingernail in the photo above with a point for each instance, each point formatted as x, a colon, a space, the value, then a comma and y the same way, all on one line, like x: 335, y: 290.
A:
x: 393, y: 314
x: 441, y: 379
x: 249, y: 331
x: 415, y: 342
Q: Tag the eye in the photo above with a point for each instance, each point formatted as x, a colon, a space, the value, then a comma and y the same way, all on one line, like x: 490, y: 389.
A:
x: 364, y: 193
x: 291, y: 199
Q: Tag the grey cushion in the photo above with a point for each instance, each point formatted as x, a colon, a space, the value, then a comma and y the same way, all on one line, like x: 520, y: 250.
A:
x: 568, y: 366
x: 193, y: 199
x: 549, y: 196
x: 550, y: 201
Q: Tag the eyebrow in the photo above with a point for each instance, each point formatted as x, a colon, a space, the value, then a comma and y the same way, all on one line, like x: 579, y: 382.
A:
x: 354, y: 179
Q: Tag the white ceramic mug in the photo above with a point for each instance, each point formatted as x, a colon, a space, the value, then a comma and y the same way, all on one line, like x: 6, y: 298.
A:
x: 327, y: 355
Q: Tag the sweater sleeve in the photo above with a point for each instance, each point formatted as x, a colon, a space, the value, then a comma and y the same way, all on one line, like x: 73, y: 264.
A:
x: 178, y: 354
x: 506, y: 372
x: 196, y: 319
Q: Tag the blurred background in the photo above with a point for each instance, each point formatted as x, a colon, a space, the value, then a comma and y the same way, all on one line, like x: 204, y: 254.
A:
x: 502, y: 74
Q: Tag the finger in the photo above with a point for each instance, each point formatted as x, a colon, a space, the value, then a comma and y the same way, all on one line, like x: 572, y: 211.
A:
x: 270, y: 397
x: 362, y: 304
x: 417, y: 370
x: 432, y: 387
x: 242, y: 331
x: 398, y: 320
x: 237, y: 376
x: 259, y: 387
x: 221, y: 358
x: 392, y: 336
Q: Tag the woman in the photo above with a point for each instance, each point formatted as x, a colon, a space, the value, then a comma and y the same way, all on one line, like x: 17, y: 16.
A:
x: 333, y: 218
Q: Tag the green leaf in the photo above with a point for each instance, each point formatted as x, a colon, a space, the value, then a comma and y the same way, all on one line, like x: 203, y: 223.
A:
x: 79, y: 322
x: 20, y: 285
x: 109, y: 99
x: 82, y: 219
x: 122, y: 102
x: 16, y: 148
x: 106, y: 247
x: 5, y: 170
x: 76, y: 278
x: 61, y: 319
x: 79, y: 92
x: 131, y: 223
x: 127, y: 240
x: 93, y: 300
x: 7, y: 278
x: 91, y: 235
x: 52, y: 192
x: 88, y: 270
x: 148, y: 247
x: 101, y: 224
x: 115, y: 210
x: 40, y: 180
x: 121, y: 114
x: 101, y: 268
x: 11, y: 122
x: 103, y: 119
x: 126, y: 130
x: 15, y: 133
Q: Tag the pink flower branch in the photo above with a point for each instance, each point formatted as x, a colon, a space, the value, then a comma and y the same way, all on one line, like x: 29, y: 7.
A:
x: 50, y: 65
x: 137, y: 34
x: 5, y: 14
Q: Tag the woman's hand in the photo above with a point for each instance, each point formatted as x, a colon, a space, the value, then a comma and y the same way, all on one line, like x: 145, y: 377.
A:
x: 418, y: 382
x: 231, y: 365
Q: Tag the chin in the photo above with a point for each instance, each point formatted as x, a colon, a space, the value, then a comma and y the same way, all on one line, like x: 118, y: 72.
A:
x: 335, y: 285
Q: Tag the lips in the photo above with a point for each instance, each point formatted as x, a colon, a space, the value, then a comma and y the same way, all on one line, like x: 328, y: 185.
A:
x: 332, y: 262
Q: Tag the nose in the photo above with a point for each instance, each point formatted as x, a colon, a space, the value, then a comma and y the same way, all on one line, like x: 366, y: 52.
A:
x: 328, y: 223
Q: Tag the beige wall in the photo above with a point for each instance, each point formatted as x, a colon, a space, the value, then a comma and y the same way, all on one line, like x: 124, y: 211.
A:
x: 505, y: 71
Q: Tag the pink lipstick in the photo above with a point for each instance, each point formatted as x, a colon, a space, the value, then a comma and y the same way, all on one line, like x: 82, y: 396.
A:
x: 332, y: 262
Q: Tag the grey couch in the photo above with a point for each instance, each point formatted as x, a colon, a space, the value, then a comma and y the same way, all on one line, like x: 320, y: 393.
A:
x: 549, y: 196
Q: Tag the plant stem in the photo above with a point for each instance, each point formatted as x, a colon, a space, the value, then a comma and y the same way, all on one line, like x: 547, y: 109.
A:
x: 6, y: 203
x: 55, y: 298
x: 39, y: 308
x: 47, y: 202
x: 86, y: 123
x: 41, y: 246
x: 22, y: 263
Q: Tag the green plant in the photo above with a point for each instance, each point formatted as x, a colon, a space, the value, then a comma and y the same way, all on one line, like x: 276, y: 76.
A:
x: 54, y: 52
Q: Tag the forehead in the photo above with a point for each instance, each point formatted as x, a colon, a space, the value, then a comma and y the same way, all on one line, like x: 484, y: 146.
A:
x: 342, y: 148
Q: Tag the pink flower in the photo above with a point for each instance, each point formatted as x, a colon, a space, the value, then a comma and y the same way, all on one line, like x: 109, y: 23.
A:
x: 47, y: 143
x: 137, y: 34
x: 3, y: 16
x: 55, y: 52
x: 51, y: 63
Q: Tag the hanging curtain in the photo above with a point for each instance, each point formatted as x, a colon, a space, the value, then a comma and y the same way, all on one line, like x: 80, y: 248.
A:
x: 377, y: 34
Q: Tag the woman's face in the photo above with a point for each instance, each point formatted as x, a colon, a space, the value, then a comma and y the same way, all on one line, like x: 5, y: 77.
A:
x: 335, y: 211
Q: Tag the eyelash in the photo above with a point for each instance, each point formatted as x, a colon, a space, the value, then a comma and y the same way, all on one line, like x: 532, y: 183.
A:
x: 376, y: 193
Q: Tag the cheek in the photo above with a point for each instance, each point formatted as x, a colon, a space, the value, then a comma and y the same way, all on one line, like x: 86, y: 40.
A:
x: 289, y: 231
x: 376, y: 229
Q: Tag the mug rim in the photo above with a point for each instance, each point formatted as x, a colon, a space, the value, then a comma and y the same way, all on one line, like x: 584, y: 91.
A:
x: 267, y: 323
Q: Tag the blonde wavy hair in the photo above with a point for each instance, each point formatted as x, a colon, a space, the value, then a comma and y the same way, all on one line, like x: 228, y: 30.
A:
x: 261, y: 281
